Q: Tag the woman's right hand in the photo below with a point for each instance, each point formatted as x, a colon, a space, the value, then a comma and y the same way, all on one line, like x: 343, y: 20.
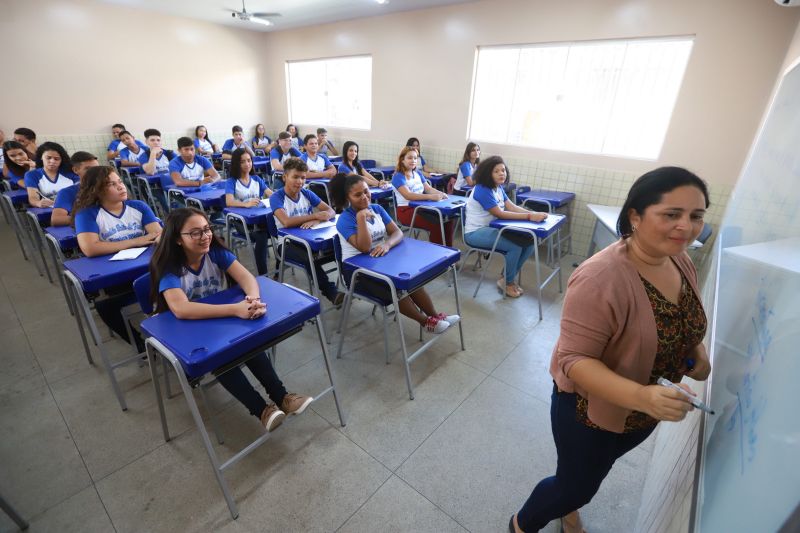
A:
x: 535, y: 216
x: 46, y: 202
x: 147, y: 239
x: 664, y: 403
x: 249, y: 310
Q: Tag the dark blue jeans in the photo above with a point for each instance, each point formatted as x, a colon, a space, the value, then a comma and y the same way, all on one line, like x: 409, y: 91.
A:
x: 585, y: 457
x: 238, y: 385
x: 260, y: 238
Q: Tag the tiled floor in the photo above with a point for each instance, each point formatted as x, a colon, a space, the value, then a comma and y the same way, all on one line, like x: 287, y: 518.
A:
x: 462, y: 456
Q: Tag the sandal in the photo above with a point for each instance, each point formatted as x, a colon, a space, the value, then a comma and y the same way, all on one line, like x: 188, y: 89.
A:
x: 509, y: 289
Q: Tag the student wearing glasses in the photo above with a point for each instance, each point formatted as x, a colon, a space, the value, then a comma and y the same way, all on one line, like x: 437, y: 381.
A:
x: 190, y: 263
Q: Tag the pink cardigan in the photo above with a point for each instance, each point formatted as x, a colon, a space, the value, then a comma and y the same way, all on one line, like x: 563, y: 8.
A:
x: 607, y: 315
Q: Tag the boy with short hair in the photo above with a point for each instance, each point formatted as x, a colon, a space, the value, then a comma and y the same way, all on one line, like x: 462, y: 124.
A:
x: 295, y: 206
x: 155, y: 159
x: 236, y: 142
x: 191, y: 170
x: 129, y: 154
x: 326, y: 145
x: 65, y: 199
x: 283, y: 151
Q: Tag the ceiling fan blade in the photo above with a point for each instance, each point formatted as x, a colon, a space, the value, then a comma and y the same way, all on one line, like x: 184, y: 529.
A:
x: 264, y: 22
x: 266, y: 15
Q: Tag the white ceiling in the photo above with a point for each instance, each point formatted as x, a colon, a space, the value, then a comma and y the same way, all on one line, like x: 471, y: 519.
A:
x: 294, y: 13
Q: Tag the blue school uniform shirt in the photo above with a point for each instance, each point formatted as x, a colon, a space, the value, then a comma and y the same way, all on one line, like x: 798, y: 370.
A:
x: 464, y: 169
x: 254, y: 189
x: 344, y: 169
x: 126, y: 155
x: 276, y: 153
x: 317, y: 165
x: 263, y: 140
x: 162, y: 163
x: 193, y: 171
x: 346, y: 227
x: 230, y: 147
x: 204, y: 145
x: 13, y: 179
x: 114, y: 145
x: 48, y: 188
x: 297, y: 143
x: 304, y: 204
x: 128, y: 225
x: 207, y: 280
x: 478, y: 204
x: 65, y: 198
x: 416, y: 185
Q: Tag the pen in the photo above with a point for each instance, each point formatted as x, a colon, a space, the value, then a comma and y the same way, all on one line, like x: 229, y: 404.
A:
x: 692, y: 400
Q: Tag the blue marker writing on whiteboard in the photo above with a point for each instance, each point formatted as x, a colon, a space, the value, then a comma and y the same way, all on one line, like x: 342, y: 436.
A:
x: 692, y: 400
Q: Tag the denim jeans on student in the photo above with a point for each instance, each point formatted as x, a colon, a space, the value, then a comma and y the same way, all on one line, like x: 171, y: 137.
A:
x: 240, y: 387
x: 516, y: 255
x: 261, y: 239
x: 585, y: 457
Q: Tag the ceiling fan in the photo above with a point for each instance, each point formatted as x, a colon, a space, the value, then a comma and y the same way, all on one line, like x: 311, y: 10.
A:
x: 258, y: 18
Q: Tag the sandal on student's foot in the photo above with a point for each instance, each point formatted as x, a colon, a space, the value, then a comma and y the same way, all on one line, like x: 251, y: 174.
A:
x: 509, y: 289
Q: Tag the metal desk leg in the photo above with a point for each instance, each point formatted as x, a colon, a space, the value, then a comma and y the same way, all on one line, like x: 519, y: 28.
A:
x: 12, y: 513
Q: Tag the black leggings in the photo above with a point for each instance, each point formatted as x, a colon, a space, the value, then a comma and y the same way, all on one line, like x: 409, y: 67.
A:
x: 110, y: 311
x: 240, y: 387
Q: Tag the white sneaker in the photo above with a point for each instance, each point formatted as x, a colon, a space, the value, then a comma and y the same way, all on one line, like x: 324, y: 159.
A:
x: 452, y: 319
x: 434, y: 324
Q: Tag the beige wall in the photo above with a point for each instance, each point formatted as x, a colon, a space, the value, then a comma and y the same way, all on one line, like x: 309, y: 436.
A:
x: 81, y: 65
x: 423, y: 62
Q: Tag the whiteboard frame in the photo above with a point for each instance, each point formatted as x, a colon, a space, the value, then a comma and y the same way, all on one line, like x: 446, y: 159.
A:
x: 700, y: 459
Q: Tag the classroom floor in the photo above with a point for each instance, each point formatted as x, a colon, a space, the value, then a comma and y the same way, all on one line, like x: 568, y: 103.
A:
x: 462, y: 456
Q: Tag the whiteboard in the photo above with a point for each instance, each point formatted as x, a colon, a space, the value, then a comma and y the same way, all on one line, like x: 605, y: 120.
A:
x: 749, y: 460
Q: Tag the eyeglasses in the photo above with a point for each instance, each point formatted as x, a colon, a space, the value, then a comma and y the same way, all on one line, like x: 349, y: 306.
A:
x: 197, y: 234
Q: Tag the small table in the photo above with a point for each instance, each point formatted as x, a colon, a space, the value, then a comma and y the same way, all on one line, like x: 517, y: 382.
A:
x: 387, y: 171
x: 406, y: 268
x: 556, y: 202
x: 208, y: 198
x: 18, y: 197
x: 450, y: 207
x: 93, y: 274
x: 250, y: 215
x: 196, y: 348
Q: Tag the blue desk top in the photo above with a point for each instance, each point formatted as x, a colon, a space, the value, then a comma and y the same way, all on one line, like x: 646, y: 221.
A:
x: 387, y: 170
x: 96, y: 273
x: 65, y: 235
x: 556, y: 198
x: 18, y: 197
x: 133, y: 171
x: 409, y: 264
x: 43, y: 214
x: 376, y: 193
x: 251, y: 215
x: 205, y: 345
x: 436, y: 180
x: 209, y: 198
x: 320, y: 240
x: 542, y: 229
x: 449, y: 206
x: 335, y: 159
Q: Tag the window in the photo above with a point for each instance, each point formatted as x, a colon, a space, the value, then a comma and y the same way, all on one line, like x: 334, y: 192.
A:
x: 601, y: 97
x: 331, y: 92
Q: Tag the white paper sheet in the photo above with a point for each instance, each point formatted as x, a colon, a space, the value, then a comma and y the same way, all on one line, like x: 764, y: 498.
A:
x: 130, y: 253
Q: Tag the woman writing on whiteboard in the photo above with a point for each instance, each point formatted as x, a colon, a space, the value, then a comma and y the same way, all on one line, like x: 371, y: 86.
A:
x: 632, y: 313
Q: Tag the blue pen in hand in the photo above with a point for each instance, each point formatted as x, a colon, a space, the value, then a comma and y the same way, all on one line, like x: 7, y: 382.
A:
x: 692, y: 400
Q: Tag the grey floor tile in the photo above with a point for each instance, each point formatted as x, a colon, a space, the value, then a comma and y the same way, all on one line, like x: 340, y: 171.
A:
x: 397, y: 508
x: 481, y: 464
x: 41, y: 465
x: 81, y: 513
x: 307, y: 477
x: 21, y: 371
x: 527, y: 367
x: 107, y: 437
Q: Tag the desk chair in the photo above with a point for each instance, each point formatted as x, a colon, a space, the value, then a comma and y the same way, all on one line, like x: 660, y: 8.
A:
x: 147, y: 194
x: 127, y: 179
x: 275, y: 180
x: 57, y: 254
x: 214, y: 216
x: 37, y: 239
x: 237, y: 235
x: 12, y: 216
x: 553, y: 202
x: 409, y: 254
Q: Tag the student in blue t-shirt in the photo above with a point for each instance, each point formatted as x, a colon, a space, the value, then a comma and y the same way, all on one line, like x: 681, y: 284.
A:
x: 260, y: 141
x: 236, y: 142
x: 319, y: 166
x: 16, y: 164
x: 489, y: 201
x: 129, y: 149
x: 469, y: 161
x: 244, y: 188
x: 190, y: 263
x: 283, y: 151
x: 65, y: 199
x: 422, y: 166
x: 351, y: 165
x: 155, y: 158
x: 107, y: 222
x: 364, y: 227
x: 190, y: 170
x: 113, y: 147
x: 295, y: 206
x: 297, y: 140
x: 204, y: 145
x: 409, y: 185
x: 53, y: 172
x: 326, y: 145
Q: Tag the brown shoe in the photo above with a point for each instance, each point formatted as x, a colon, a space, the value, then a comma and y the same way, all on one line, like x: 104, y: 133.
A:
x: 294, y: 404
x: 272, y: 417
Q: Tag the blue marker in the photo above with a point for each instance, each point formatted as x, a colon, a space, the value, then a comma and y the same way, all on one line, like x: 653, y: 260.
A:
x: 692, y: 400
x: 690, y: 364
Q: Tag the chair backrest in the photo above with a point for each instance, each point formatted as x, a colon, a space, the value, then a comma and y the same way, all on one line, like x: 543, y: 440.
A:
x: 337, y: 251
x: 141, y: 287
x: 272, y: 227
x: 705, y: 233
